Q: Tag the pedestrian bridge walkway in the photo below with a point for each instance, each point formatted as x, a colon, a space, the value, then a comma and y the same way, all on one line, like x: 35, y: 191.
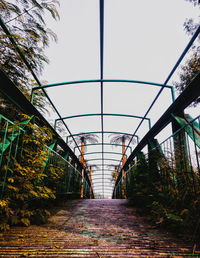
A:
x: 94, y: 228
x: 38, y: 165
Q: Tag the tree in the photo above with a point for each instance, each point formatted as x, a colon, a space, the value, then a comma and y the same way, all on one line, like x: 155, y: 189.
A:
x: 192, y: 66
x: 84, y: 139
x: 188, y: 71
x: 28, y: 178
x: 194, y: 2
x: 25, y: 21
x: 121, y: 139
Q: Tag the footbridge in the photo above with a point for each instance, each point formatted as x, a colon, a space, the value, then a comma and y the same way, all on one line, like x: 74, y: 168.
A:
x: 137, y: 163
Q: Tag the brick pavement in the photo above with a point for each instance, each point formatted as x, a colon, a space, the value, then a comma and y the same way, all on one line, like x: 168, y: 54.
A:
x: 93, y: 228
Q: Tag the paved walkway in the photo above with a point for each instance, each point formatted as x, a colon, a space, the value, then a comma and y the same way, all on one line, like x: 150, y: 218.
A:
x: 92, y: 228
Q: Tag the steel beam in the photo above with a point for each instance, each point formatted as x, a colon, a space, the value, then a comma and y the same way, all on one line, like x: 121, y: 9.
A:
x: 189, y: 95
x: 102, y: 114
x: 8, y: 88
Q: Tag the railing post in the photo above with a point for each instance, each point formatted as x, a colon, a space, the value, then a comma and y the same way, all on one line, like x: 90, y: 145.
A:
x: 115, y: 192
x: 90, y: 182
x: 180, y: 146
x: 82, y: 182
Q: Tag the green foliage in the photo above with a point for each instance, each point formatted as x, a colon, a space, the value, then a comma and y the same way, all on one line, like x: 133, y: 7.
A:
x: 31, y: 182
x: 194, y: 2
x: 171, y: 194
x: 188, y: 72
x: 192, y: 66
x: 25, y: 21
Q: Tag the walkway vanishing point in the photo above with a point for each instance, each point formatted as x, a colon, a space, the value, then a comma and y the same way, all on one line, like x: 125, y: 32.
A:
x: 94, y: 228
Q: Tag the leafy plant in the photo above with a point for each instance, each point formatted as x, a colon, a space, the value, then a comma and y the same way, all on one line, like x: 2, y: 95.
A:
x: 171, y: 194
x: 31, y: 182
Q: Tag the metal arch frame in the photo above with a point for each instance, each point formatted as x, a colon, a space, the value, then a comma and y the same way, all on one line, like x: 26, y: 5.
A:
x: 101, y: 9
x: 101, y: 143
x: 107, y: 182
x: 104, y: 114
x: 107, y: 187
x: 168, y: 78
x: 98, y: 175
x: 96, y: 178
x: 105, y: 152
x: 110, y: 165
x: 104, y: 159
x: 101, y: 170
x: 102, y: 81
x: 101, y: 165
x: 110, y: 132
x: 105, y: 132
x: 21, y: 54
x: 108, y: 178
x: 191, y: 92
x: 98, y: 187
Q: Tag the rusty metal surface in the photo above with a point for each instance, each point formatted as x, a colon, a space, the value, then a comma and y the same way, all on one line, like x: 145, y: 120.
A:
x: 93, y: 228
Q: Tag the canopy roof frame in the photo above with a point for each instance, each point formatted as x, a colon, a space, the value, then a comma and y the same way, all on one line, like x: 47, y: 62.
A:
x: 102, y: 81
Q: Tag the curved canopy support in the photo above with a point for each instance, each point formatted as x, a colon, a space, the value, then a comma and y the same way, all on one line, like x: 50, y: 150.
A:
x: 104, y: 143
x: 104, y: 114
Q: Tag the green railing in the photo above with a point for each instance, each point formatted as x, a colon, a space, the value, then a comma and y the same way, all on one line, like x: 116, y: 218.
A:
x: 166, y: 180
x: 13, y: 148
x: 71, y: 181
x: 175, y: 163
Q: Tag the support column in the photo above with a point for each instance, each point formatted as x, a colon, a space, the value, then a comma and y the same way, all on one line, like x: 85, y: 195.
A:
x: 82, y: 182
x: 90, y: 177
x: 82, y: 162
x: 123, y: 171
x: 115, y: 192
x: 180, y: 146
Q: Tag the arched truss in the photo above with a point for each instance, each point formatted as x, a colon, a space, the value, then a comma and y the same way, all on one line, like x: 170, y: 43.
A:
x: 102, y: 81
x: 117, y: 160
x: 105, y: 152
x: 104, y: 114
x: 103, y: 143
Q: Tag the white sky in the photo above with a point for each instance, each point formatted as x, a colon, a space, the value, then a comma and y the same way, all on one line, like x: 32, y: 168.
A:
x: 142, y: 41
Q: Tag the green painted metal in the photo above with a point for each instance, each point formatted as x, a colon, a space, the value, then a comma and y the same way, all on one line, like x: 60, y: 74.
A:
x: 9, y: 138
x: 98, y: 187
x: 105, y: 143
x: 50, y: 147
x: 14, y: 43
x: 191, y: 127
x: 105, y: 132
x: 15, y: 96
x: 108, y: 181
x: 195, y: 35
x: 105, y: 152
x: 104, y: 80
x: 104, y: 114
x: 9, y: 134
x: 96, y: 170
x: 104, y: 159
x: 101, y: 8
x: 103, y: 165
x: 99, y: 184
x: 101, y: 30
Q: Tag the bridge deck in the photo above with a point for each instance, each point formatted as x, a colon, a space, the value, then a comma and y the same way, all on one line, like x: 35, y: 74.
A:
x: 93, y: 228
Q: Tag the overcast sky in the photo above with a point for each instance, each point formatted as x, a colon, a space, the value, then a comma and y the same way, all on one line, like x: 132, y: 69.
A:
x: 142, y: 41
